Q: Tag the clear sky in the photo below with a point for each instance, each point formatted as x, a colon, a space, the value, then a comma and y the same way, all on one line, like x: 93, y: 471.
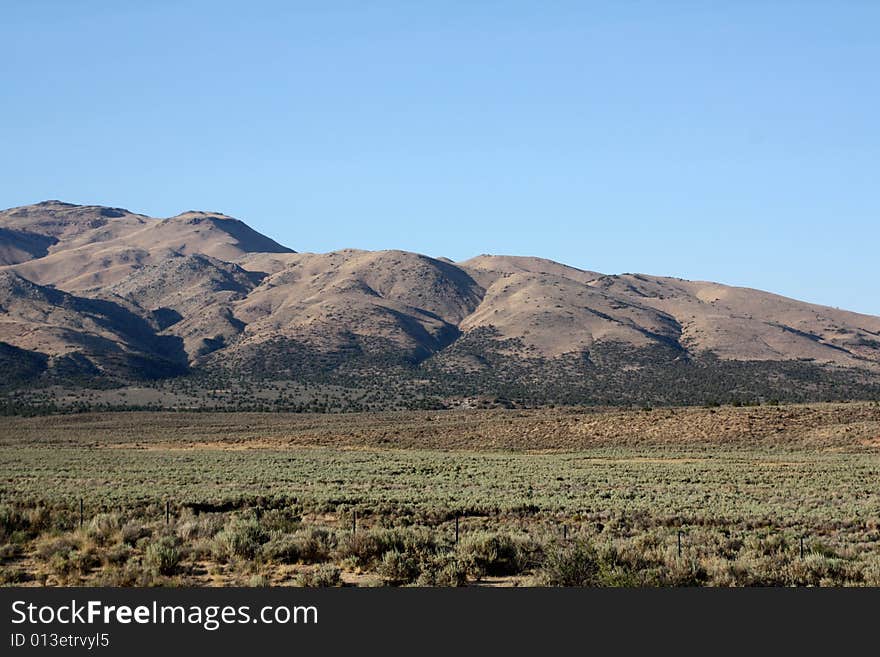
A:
x: 731, y: 141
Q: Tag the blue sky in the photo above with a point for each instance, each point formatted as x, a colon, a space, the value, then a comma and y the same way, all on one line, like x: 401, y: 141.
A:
x: 730, y: 141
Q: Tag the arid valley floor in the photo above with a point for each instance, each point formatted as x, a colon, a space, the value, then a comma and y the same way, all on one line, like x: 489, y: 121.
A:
x: 774, y: 495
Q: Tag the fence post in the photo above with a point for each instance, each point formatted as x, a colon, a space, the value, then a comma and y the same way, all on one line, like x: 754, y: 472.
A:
x: 679, y: 543
x: 167, y: 512
x: 456, y: 529
x: 354, y: 522
x: 565, y: 532
x: 81, y: 512
x: 802, y: 547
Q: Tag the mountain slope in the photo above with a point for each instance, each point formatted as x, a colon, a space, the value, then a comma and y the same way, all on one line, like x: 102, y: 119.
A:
x: 72, y: 225
x: 82, y: 336
x: 110, y: 293
x: 744, y: 324
x: 190, y: 296
x: 401, y: 305
x: 20, y: 246
x: 489, y: 268
x: 552, y: 316
x: 99, y: 247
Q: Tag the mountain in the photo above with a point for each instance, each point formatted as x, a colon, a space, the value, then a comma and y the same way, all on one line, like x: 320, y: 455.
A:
x: 80, y: 336
x: 744, y: 324
x: 96, y: 247
x: 20, y: 245
x: 204, y: 300
x: 190, y: 296
x: 384, y: 303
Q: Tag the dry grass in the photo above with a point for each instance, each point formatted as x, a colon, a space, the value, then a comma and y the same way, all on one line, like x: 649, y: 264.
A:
x: 281, y: 490
x: 854, y: 425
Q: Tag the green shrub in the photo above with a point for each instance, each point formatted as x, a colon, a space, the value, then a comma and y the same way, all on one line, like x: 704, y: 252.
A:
x: 129, y: 574
x: 306, y: 546
x: 572, y: 564
x: 163, y: 556
x: 9, y: 551
x: 133, y: 531
x: 284, y: 548
x: 818, y: 570
x: 285, y: 521
x: 38, y: 520
x: 399, y: 568
x: 203, y: 526
x: 367, y: 549
x: 102, y: 527
x: 13, y: 576
x: 817, y: 547
x: 201, y: 549
x: 684, y: 572
x: 443, y: 570
x: 315, y: 545
x: 766, y: 545
x: 74, y: 561
x: 47, y: 549
x: 118, y: 554
x: 871, y: 570
x: 241, y: 537
x: 495, y: 554
x: 363, y: 548
x: 11, y: 521
x: 322, y: 576
x: 750, y: 570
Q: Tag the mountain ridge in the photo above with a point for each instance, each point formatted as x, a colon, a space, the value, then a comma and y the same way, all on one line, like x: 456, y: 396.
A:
x: 220, y: 296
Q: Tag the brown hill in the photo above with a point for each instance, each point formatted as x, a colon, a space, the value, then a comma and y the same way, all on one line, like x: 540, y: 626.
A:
x: 82, y: 336
x: 19, y: 246
x: 553, y: 315
x: 489, y: 268
x: 744, y: 324
x: 402, y: 303
x: 108, y: 289
x: 72, y: 225
x: 190, y: 296
x: 99, y: 247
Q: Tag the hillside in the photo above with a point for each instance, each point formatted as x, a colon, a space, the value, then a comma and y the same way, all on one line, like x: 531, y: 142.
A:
x: 98, y: 247
x: 80, y: 336
x: 202, y: 301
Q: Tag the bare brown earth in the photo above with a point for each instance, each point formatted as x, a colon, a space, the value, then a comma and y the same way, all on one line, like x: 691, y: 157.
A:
x: 851, y: 425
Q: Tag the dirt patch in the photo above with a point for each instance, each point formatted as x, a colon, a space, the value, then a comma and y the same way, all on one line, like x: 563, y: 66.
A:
x: 205, y: 445
x: 504, y: 582
x: 645, y: 459
x: 536, y: 431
